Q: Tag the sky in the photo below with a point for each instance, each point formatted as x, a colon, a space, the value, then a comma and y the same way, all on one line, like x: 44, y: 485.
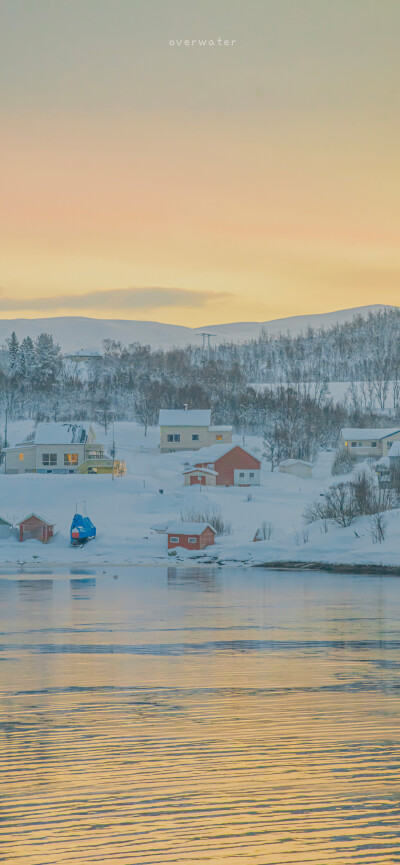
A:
x: 145, y: 179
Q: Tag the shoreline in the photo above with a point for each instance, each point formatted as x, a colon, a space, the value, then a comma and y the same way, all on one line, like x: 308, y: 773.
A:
x: 16, y: 568
x: 332, y: 567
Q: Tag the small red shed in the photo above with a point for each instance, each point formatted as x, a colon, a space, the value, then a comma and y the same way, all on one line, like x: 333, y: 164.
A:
x: 35, y: 528
x: 190, y: 536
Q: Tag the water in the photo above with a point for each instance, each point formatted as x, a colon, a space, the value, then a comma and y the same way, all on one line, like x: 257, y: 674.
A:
x: 199, y: 716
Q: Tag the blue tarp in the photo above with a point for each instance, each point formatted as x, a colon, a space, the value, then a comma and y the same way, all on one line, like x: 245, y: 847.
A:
x: 82, y: 529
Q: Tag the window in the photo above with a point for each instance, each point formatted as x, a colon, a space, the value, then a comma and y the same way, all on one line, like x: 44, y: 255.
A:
x: 174, y: 540
x: 70, y: 459
x: 170, y: 438
x: 177, y: 437
x: 219, y: 438
x: 192, y: 540
x: 251, y: 475
x: 354, y: 444
x: 21, y: 458
x: 374, y: 444
x: 360, y: 444
x: 49, y: 459
x: 195, y: 437
x: 389, y: 444
x: 241, y: 474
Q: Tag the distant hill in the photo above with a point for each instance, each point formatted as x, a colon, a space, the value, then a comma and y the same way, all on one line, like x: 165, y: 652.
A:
x: 75, y: 332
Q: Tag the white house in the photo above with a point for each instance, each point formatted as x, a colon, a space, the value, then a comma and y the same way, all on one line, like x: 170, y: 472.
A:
x: 363, y: 443
x: 299, y: 468
x: 190, y: 430
x: 58, y: 448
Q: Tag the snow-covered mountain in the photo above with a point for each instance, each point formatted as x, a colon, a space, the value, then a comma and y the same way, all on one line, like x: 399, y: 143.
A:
x: 75, y: 332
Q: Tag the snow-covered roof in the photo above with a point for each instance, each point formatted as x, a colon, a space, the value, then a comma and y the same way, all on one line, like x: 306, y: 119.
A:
x: 214, y: 452
x: 221, y: 428
x: 364, y: 434
x: 60, y: 434
x: 196, y: 469
x: 159, y: 527
x: 293, y: 462
x: 38, y: 517
x: 395, y: 450
x: 4, y: 521
x: 180, y: 417
x: 188, y: 528
x: 85, y: 352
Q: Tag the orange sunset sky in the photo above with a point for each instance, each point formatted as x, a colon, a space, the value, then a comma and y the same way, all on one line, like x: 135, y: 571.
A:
x: 197, y: 185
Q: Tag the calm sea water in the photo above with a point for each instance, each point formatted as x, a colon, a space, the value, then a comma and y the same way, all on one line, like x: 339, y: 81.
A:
x: 199, y: 716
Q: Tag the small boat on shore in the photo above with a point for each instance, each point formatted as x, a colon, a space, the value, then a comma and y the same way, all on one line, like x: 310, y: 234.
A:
x: 82, y: 530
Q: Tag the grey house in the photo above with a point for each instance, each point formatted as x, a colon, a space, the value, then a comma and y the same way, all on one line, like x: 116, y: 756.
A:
x: 5, y: 529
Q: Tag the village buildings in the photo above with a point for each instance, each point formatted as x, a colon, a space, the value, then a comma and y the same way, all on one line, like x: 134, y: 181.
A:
x: 299, y: 468
x: 224, y: 465
x: 190, y: 536
x: 189, y: 430
x: 363, y: 443
x: 58, y: 448
x: 34, y: 527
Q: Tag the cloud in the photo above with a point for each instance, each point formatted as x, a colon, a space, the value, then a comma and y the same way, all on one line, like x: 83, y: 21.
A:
x: 122, y: 298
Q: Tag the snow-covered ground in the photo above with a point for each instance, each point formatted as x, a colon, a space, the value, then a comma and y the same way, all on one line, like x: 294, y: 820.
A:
x: 125, y: 509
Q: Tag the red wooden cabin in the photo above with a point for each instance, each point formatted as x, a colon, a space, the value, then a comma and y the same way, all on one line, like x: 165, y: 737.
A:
x: 235, y: 467
x: 35, y: 528
x: 190, y: 536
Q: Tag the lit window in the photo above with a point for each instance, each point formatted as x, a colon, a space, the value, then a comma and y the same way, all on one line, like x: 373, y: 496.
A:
x: 219, y: 438
x: 70, y: 459
x: 21, y: 458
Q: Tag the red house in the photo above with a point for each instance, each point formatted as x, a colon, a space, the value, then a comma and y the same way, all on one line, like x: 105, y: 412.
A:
x: 235, y: 466
x: 35, y: 528
x: 190, y: 536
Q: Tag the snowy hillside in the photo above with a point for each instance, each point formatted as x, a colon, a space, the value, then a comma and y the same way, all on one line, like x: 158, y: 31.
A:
x: 74, y: 333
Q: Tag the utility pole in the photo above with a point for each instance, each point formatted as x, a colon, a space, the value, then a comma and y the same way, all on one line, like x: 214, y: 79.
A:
x: 243, y: 417
x: 113, y: 447
x: 6, y: 429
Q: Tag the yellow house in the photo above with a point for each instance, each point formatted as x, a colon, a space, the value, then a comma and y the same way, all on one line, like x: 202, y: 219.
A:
x: 190, y: 430
x: 363, y: 443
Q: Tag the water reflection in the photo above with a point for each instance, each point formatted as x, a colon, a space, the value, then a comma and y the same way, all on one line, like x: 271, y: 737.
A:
x: 82, y: 589
x: 200, y: 715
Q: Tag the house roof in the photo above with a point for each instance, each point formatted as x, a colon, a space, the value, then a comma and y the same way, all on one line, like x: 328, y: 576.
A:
x: 38, y: 517
x: 293, y: 462
x: 196, y: 469
x: 60, y: 434
x: 180, y: 417
x: 189, y: 528
x: 395, y: 450
x: 364, y: 434
x: 4, y: 521
x: 214, y: 452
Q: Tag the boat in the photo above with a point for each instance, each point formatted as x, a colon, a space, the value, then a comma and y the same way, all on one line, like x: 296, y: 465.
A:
x: 82, y: 530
